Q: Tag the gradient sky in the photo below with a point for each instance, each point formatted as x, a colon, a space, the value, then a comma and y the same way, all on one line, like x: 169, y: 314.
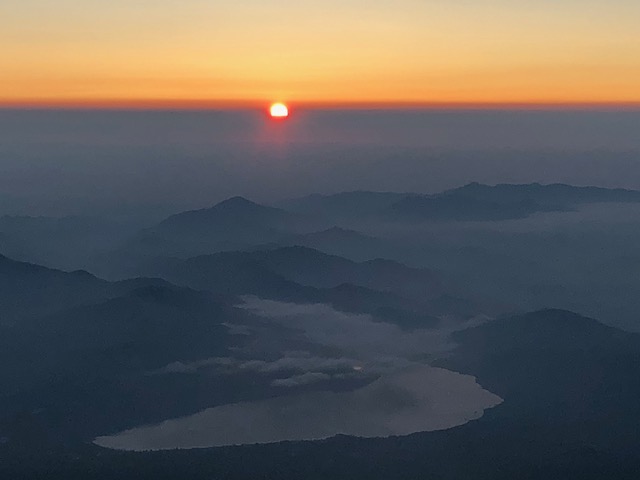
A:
x: 321, y: 51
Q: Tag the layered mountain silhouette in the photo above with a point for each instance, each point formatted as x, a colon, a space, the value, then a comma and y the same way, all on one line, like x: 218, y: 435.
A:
x: 232, y: 224
x: 324, y: 222
x: 27, y: 289
x: 337, y: 241
x: 80, y: 349
x: 81, y: 356
x: 304, y: 275
x: 473, y: 201
x: 504, y: 202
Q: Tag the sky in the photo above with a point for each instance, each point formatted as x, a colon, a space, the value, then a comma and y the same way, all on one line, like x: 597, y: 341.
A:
x: 329, y: 52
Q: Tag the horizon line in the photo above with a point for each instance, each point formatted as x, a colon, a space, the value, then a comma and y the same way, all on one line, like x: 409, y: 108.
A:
x: 209, y: 105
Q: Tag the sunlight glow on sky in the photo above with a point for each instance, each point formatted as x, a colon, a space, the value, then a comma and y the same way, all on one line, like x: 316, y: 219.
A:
x: 319, y: 52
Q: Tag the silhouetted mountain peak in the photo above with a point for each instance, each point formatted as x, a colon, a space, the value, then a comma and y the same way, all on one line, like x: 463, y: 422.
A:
x: 8, y: 264
x: 567, y: 320
x: 228, y: 214
x: 232, y: 224
x: 542, y: 329
x: 82, y: 273
x: 238, y: 202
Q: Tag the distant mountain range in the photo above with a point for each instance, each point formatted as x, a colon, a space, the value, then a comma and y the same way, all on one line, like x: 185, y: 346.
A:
x: 503, y: 202
x: 325, y: 221
x: 471, y: 202
x: 336, y: 241
x: 386, y: 289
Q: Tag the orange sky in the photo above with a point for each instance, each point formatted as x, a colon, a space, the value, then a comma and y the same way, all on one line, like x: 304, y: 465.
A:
x: 331, y: 52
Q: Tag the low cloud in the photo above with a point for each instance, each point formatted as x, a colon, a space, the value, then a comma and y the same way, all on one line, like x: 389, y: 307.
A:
x: 193, y: 367
x: 301, y: 363
x: 358, y: 343
x: 402, y: 395
x: 298, y: 380
x: 236, y: 329
x: 357, y: 334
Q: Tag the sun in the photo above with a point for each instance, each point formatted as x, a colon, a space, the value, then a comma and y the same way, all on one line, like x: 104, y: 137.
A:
x: 279, y: 110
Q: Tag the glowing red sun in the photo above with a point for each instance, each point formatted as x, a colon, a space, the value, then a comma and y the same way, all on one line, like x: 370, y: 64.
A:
x: 279, y: 110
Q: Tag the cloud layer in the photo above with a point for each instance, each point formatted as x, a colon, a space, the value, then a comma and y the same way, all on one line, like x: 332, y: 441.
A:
x: 403, y: 394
